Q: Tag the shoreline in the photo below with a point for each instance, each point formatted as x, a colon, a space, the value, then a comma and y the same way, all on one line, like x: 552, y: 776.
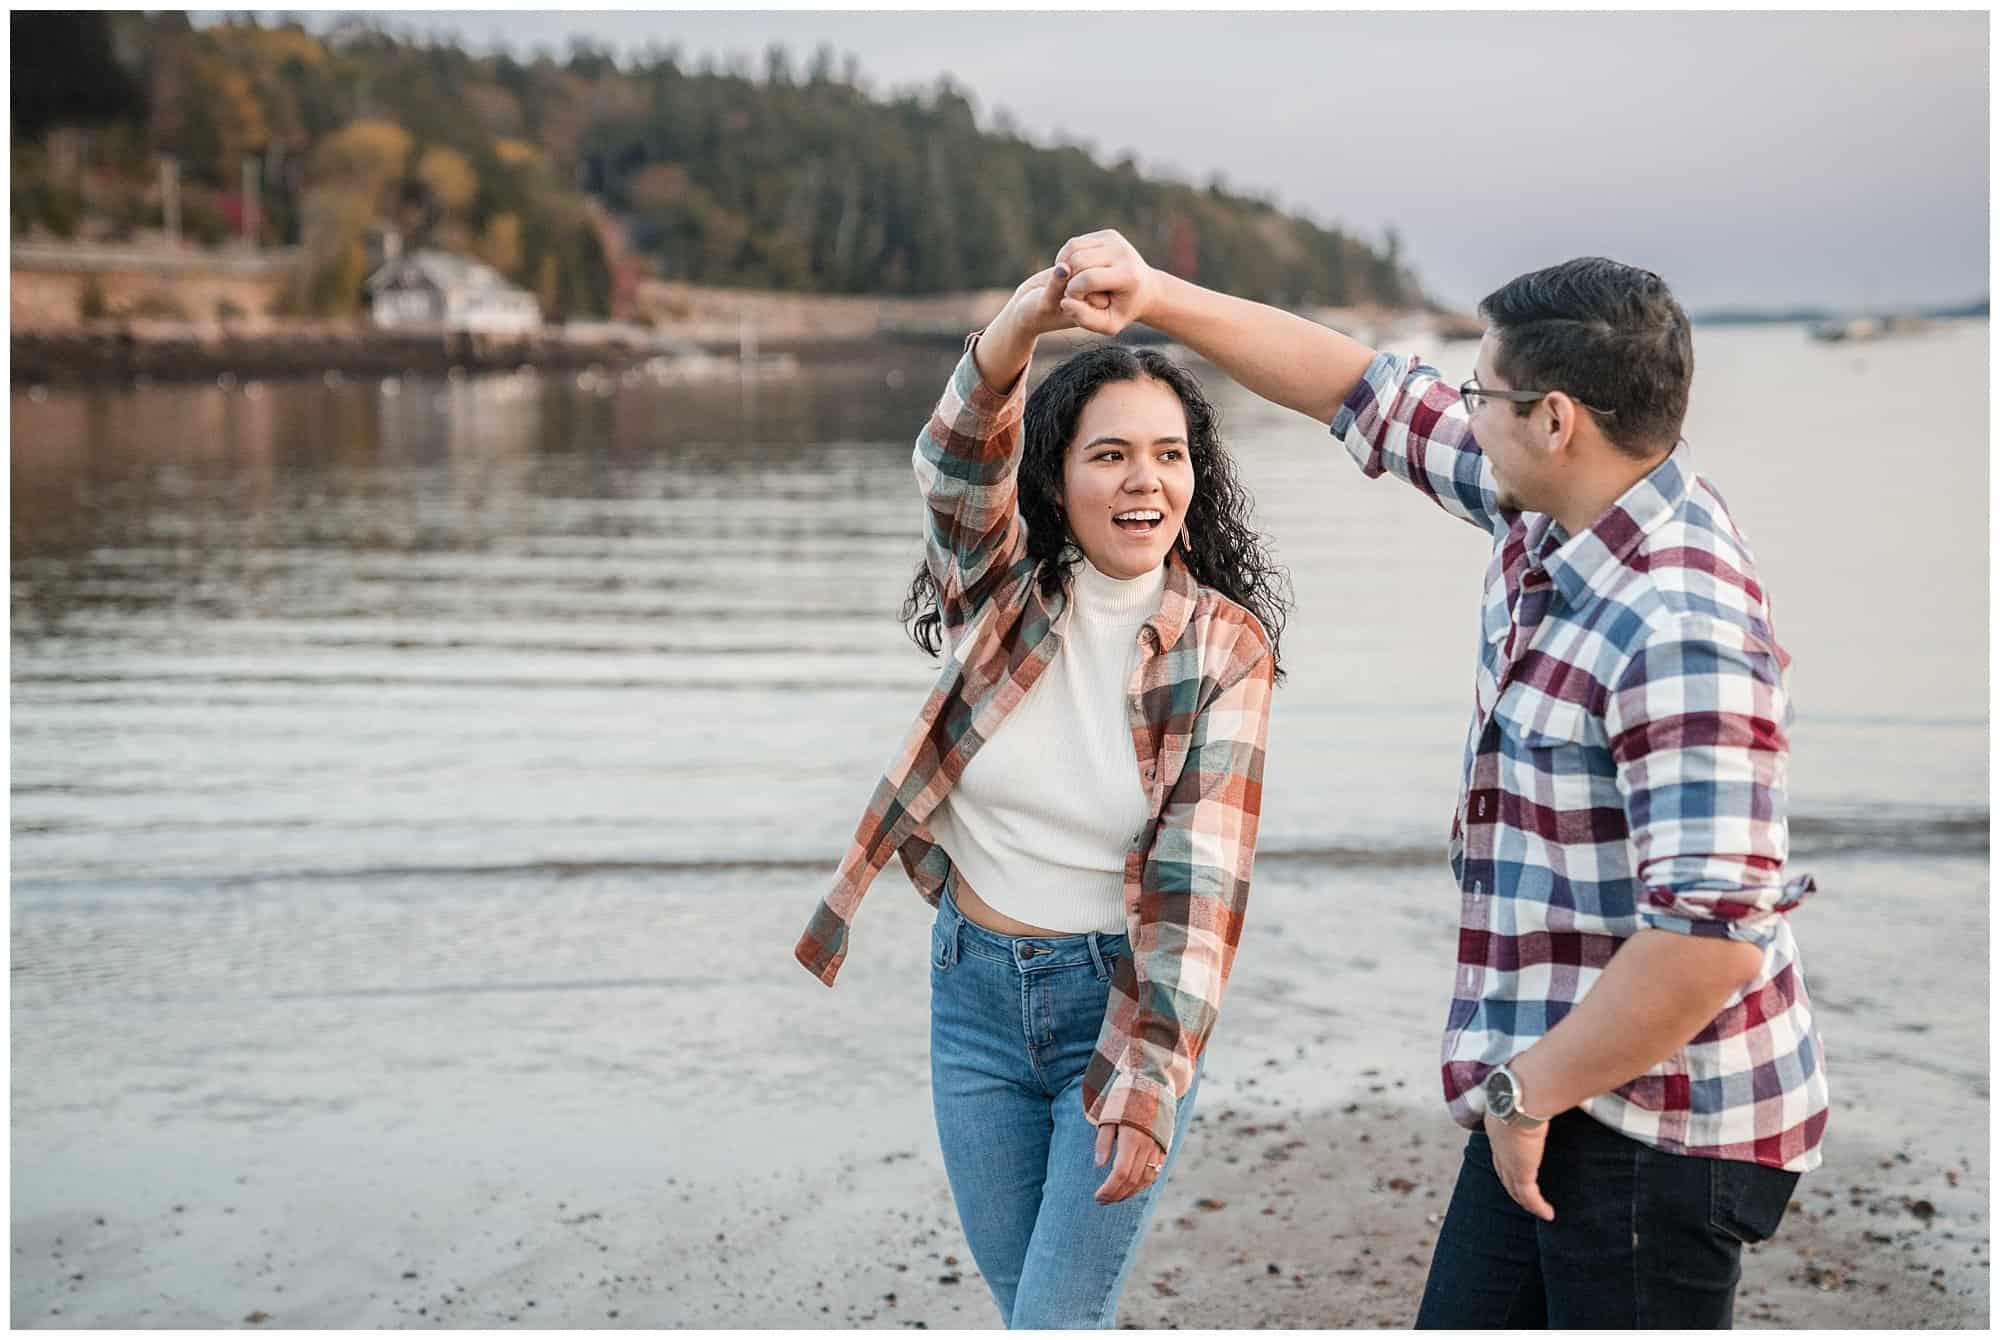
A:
x: 121, y: 351
x: 188, y: 316
x: 113, y: 353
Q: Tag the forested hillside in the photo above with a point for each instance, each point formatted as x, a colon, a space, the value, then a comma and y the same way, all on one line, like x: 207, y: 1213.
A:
x: 574, y: 175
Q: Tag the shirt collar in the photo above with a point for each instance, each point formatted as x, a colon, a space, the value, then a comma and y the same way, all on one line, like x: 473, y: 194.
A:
x: 1586, y: 564
x: 1176, y: 602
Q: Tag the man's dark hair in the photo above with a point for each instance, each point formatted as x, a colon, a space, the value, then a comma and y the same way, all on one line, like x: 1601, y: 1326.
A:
x: 1609, y: 335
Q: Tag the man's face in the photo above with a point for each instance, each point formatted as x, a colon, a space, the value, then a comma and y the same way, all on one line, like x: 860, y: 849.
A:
x: 1507, y: 438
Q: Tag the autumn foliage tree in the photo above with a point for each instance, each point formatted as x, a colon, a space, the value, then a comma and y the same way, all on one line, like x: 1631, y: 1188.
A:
x: 352, y: 172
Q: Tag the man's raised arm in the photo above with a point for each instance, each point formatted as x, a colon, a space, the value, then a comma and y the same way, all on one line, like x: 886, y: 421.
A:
x: 1286, y: 359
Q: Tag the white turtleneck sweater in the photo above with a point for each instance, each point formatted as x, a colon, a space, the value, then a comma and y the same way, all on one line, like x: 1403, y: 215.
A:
x: 1041, y: 820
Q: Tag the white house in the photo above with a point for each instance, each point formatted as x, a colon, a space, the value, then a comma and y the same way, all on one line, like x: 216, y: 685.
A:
x: 436, y: 288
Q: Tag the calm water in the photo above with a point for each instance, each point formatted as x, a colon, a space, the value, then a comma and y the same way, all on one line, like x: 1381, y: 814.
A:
x: 520, y: 624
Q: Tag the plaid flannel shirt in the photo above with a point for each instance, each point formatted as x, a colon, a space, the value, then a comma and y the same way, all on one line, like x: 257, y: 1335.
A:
x: 1625, y: 769
x: 1199, y: 703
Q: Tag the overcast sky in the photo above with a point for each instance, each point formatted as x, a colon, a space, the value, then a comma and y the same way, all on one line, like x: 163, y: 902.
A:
x: 1832, y: 159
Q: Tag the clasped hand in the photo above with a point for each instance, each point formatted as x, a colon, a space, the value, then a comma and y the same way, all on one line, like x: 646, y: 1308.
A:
x: 1099, y: 283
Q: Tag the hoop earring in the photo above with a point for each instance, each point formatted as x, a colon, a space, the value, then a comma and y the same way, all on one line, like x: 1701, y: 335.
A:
x: 1068, y: 551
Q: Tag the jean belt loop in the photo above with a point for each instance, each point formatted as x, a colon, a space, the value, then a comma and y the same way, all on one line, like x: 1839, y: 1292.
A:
x: 1097, y: 958
x: 952, y: 940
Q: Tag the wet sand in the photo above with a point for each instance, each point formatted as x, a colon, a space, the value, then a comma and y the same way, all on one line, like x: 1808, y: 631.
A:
x: 611, y: 1099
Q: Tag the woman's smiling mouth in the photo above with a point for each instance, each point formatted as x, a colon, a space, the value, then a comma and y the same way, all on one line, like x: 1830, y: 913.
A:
x: 1139, y: 520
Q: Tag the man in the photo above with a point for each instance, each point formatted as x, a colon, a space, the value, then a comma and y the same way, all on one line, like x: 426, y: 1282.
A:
x: 1629, y: 1037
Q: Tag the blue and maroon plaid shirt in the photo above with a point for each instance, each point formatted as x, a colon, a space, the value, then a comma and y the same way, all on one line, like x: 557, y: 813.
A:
x: 1625, y: 769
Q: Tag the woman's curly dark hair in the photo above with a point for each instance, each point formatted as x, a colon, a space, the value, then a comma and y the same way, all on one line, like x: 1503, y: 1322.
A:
x: 1222, y: 550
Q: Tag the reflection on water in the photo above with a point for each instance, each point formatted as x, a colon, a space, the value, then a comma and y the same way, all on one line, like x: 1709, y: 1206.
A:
x: 430, y: 623
x: 512, y: 621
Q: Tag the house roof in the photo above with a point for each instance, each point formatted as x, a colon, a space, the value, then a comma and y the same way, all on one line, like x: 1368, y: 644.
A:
x: 441, y: 270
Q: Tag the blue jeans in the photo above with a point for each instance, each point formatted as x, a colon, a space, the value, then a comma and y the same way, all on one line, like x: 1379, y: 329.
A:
x: 1641, y: 1238
x: 1013, y: 1024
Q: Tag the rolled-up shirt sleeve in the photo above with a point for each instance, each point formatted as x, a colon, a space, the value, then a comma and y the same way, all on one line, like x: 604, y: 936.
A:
x: 965, y: 462
x: 1696, y: 724
x: 1403, y: 419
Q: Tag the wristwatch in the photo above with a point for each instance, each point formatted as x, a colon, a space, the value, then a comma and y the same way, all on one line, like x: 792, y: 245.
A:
x: 1503, y: 1099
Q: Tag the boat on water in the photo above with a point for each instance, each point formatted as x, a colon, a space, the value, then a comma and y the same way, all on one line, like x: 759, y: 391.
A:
x: 1867, y: 328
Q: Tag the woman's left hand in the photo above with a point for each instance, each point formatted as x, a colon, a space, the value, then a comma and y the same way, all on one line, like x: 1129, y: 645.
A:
x: 1008, y: 341
x: 1136, y: 1165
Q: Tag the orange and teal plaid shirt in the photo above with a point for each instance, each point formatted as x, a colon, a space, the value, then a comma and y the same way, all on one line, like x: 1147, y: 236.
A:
x: 1199, y: 702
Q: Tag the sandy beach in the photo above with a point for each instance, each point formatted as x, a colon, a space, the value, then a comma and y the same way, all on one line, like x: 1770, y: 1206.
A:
x: 600, y: 1099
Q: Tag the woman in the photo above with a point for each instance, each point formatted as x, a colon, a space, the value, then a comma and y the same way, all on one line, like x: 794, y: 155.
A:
x: 1079, y: 796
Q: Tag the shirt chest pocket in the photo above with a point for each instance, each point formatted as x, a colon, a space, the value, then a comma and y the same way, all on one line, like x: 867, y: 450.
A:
x: 1534, y: 720
x: 1553, y: 752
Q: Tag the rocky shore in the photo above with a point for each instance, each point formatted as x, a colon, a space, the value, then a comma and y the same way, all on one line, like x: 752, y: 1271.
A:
x: 116, y: 352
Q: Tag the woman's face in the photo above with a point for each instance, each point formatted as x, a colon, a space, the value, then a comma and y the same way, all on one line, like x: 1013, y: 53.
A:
x: 1127, y: 477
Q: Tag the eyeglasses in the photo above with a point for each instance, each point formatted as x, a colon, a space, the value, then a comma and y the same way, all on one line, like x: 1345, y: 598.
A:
x: 1473, y: 394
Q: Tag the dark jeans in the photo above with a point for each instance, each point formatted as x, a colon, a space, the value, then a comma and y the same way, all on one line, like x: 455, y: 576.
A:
x: 1640, y: 1238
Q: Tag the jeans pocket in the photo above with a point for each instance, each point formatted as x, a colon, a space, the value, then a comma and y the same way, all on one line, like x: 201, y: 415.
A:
x: 940, y: 950
x: 1748, y: 1200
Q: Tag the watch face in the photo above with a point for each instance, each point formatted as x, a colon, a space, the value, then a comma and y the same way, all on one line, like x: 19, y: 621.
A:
x: 1500, y: 1094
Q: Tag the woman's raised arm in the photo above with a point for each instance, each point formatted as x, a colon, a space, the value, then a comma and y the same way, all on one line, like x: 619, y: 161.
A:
x: 970, y: 448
